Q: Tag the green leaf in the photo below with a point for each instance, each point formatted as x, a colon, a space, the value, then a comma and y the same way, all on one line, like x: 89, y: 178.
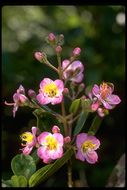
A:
x: 15, y: 181
x: 23, y: 165
x: 6, y: 183
x: 86, y: 105
x: 35, y: 156
x: 80, y: 123
x: 95, y: 125
x: 44, y: 173
x: 75, y: 106
x: 18, y: 181
x: 45, y: 108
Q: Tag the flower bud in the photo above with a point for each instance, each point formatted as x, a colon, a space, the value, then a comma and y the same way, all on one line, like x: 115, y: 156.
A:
x: 31, y: 93
x: 95, y: 106
x: 76, y: 51
x: 51, y: 37
x: 55, y: 129
x: 66, y: 91
x: 39, y: 56
x: 102, y: 112
x: 67, y: 139
x: 58, y: 49
x: 61, y: 37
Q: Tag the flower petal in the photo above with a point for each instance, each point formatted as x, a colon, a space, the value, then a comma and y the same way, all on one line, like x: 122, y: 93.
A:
x: 77, y: 64
x: 80, y: 156
x: 42, y: 99
x: 43, y: 153
x: 65, y: 63
x: 56, y: 153
x: 96, y: 90
x: 60, y: 85
x: 44, y: 82
x: 56, y: 100
x: 91, y: 157
x: 107, y: 105
x: 41, y: 137
x: 59, y: 138
x: 78, y: 78
x: 94, y: 141
x: 34, y: 130
x: 113, y: 99
x: 80, y: 139
x: 27, y: 150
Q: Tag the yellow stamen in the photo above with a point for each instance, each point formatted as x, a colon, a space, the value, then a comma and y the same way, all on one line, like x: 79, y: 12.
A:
x: 88, y: 145
x: 51, y: 90
x: 51, y: 142
x: 27, y: 136
x: 105, y: 90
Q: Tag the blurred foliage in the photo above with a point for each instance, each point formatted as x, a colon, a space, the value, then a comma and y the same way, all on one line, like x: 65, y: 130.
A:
x: 100, y: 32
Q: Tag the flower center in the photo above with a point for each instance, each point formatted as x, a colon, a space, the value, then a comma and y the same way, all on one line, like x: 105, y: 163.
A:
x: 51, y: 142
x: 51, y: 90
x: 105, y: 90
x: 27, y: 136
x: 88, y: 145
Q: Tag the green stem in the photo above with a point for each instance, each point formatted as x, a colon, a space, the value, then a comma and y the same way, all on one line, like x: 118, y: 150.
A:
x: 70, y: 183
x: 50, y: 65
x: 66, y: 129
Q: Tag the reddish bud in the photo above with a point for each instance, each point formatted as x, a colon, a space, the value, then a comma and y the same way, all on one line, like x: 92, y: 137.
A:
x: 51, y: 37
x: 31, y: 93
x: 58, y: 49
x: 55, y: 129
x: 94, y: 106
x: 76, y: 51
x: 67, y: 139
x: 66, y: 91
x: 38, y: 56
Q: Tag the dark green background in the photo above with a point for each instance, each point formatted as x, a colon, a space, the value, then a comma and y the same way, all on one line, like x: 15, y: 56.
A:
x: 97, y: 31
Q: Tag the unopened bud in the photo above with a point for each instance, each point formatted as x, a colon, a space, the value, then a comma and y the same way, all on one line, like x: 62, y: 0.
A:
x: 94, y: 106
x: 76, y: 51
x: 81, y: 87
x: 67, y: 139
x: 58, y: 49
x: 31, y: 93
x: 51, y: 37
x: 38, y: 56
x: 66, y: 91
x: 55, y: 129
x: 102, y: 112
x: 61, y: 37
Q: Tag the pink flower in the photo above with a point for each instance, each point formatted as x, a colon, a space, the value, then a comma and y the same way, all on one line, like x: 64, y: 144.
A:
x: 30, y: 139
x: 86, y: 145
x: 105, y: 96
x: 50, y: 91
x: 74, y: 72
x: 51, y: 146
x: 19, y: 99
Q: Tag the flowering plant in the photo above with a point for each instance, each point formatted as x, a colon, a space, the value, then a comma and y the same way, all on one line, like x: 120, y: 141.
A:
x: 68, y: 137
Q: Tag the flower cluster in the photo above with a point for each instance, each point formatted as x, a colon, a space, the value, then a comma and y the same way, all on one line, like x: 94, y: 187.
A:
x: 51, y: 145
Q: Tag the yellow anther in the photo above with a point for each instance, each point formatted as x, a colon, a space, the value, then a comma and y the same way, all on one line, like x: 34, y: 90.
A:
x: 27, y: 136
x: 88, y: 145
x: 51, y: 142
x: 105, y: 90
x: 51, y: 90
